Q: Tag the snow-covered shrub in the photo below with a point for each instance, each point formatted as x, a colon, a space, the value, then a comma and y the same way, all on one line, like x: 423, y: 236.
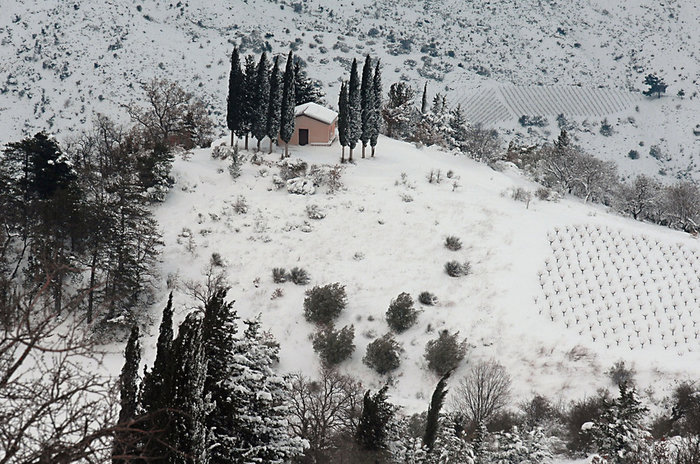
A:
x: 401, y: 314
x: 619, y: 373
x: 434, y: 176
x: 279, y: 275
x: 453, y: 243
x: 457, y: 269
x: 216, y: 260
x: 299, y: 276
x: 291, y: 168
x: 315, y: 212
x: 383, y: 354
x: 427, y: 298
x: 334, y: 178
x: 301, y: 186
x: 514, y: 447
x: 579, y: 414
x: 277, y: 293
x: 606, y: 130
x: 278, y: 182
x: 324, y: 304
x: 520, y: 194
x: 222, y: 152
x: 445, y: 352
x: 334, y: 346
x: 529, y: 121
x: 241, y: 205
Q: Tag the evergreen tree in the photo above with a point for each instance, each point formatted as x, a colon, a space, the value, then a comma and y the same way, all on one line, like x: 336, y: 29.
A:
x: 438, y: 400
x: 187, y: 431
x: 366, y: 103
x: 424, y: 100
x: 219, y: 332
x: 399, y: 113
x: 457, y: 127
x: 377, y: 413
x: 273, y: 106
x: 287, y: 106
x: 354, y: 109
x: 513, y: 447
x: 305, y: 89
x: 376, y: 119
x: 261, y: 401
x: 249, y: 97
x: 449, y: 447
x: 618, y: 434
x: 656, y: 85
x: 125, y: 443
x: 343, y: 128
x: 262, y: 99
x: 235, y: 94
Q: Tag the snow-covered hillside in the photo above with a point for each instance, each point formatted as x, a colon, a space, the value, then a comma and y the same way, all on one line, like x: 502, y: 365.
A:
x: 60, y: 62
x: 384, y: 234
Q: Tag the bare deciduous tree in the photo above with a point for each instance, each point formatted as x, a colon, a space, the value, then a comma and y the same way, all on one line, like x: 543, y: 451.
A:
x: 172, y: 115
x: 324, y: 410
x: 483, y: 392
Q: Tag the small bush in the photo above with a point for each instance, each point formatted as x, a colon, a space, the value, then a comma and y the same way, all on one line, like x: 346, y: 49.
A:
x: 457, y: 269
x: 279, y: 275
x: 633, y: 154
x: 334, y: 346
x: 445, y: 352
x: 520, y: 194
x: 241, y: 205
x: 606, y: 130
x: 427, y: 298
x: 324, y: 304
x: 216, y: 260
x: 619, y: 374
x: 453, y: 243
x: 315, y: 212
x: 299, y: 276
x: 383, y: 354
x: 529, y: 121
x: 401, y: 314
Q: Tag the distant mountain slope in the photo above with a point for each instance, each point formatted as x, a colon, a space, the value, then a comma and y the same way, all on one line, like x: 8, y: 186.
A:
x: 60, y: 62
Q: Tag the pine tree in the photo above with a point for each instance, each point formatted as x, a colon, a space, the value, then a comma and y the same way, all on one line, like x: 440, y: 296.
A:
x: 248, y: 99
x: 219, y: 332
x: 187, y: 431
x: 305, y: 89
x: 124, y: 442
x: 618, y: 434
x: 377, y: 413
x: 656, y: 85
x: 424, y: 100
x: 343, y: 128
x: 273, y: 106
x: 458, y: 126
x: 287, y: 107
x: 235, y: 94
x: 366, y: 103
x: 376, y: 119
x: 261, y: 401
x: 262, y: 99
x: 432, y: 423
x: 354, y: 109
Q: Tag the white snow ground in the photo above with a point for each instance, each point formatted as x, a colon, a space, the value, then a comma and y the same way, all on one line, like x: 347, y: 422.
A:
x: 378, y: 244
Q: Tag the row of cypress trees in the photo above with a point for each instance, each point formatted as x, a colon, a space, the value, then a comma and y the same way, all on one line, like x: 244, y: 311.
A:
x: 359, y: 107
x: 260, y: 101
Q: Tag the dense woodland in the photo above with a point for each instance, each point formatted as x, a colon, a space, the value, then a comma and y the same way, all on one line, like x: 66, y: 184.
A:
x: 77, y: 265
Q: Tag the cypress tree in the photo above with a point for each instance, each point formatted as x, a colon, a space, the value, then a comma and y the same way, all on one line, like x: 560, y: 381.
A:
x: 354, y: 109
x: 376, y: 119
x: 343, y: 119
x: 433, y: 422
x: 248, y: 98
x: 424, y: 101
x: 219, y: 332
x: 187, y: 431
x: 157, y: 389
x: 377, y: 412
x: 287, y: 107
x: 261, y: 97
x: 366, y: 103
x: 273, y: 106
x: 235, y: 94
x: 125, y: 443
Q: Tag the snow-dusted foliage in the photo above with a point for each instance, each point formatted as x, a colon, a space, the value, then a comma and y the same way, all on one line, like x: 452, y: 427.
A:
x: 261, y: 398
x: 514, y: 447
x: 301, y: 186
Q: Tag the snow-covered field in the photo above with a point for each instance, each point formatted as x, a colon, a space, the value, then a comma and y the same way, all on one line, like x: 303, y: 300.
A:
x: 61, y: 62
x: 383, y: 235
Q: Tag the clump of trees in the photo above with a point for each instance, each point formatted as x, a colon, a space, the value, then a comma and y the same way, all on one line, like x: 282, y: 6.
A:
x: 261, y: 101
x: 359, y: 106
